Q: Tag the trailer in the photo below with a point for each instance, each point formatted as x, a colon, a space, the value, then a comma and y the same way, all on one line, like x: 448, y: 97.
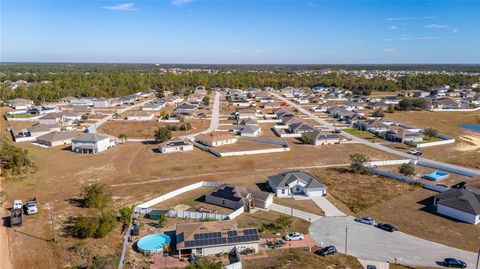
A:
x: 16, y: 217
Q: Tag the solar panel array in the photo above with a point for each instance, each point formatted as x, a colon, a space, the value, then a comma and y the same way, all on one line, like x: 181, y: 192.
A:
x: 226, y: 193
x: 212, y: 239
x: 207, y: 235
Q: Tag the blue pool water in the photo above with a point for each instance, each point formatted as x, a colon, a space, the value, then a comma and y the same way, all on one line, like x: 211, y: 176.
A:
x: 473, y: 127
x: 153, y: 242
x: 437, y: 175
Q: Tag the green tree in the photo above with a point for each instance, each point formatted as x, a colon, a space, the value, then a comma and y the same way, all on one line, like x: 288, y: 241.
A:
x: 14, y: 160
x: 206, y: 100
x: 306, y: 139
x: 430, y: 132
x: 406, y: 169
x: 97, y: 195
x: 162, y: 221
x: 284, y: 221
x: 358, y: 163
x: 185, y: 126
x: 163, y: 134
x: 122, y: 137
x: 378, y: 113
x: 126, y: 214
x: 391, y: 108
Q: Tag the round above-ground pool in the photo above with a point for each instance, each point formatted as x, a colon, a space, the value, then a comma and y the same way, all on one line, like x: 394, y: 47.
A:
x: 153, y: 243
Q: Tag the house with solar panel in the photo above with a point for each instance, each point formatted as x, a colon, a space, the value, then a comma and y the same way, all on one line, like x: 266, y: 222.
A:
x: 210, y: 238
x: 235, y: 197
x: 296, y: 183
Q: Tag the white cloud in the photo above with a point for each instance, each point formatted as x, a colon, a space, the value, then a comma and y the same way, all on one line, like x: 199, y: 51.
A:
x: 409, y: 18
x: 122, y: 7
x: 418, y: 38
x: 388, y: 50
x: 455, y: 30
x: 389, y: 39
x: 180, y: 2
x: 436, y: 26
x: 393, y: 27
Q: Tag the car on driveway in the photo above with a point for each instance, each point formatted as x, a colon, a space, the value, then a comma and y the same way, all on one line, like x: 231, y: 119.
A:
x: 455, y: 263
x: 415, y: 152
x: 327, y: 251
x: 387, y: 227
x: 294, y: 236
x: 371, y: 267
x: 365, y: 220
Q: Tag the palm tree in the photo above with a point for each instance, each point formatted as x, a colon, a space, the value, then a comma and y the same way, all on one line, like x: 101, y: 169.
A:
x: 122, y: 137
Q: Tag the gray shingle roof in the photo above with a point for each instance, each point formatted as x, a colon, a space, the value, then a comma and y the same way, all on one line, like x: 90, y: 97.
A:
x: 465, y: 200
x: 283, y: 179
x: 90, y: 138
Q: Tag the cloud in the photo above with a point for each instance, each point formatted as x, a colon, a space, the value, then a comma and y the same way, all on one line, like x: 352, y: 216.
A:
x: 393, y: 27
x: 418, y: 37
x: 409, y: 18
x: 180, y: 2
x: 122, y: 7
x: 389, y: 39
x: 388, y: 50
x: 435, y: 26
x: 455, y: 30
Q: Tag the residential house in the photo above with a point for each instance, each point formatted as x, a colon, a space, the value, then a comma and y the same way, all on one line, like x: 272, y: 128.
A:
x: 403, y: 135
x: 57, y: 118
x: 175, y: 145
x: 353, y: 106
x: 372, y: 125
x: 68, y: 99
x: 245, y: 114
x: 85, y: 101
x: 20, y: 104
x: 418, y: 94
x: 214, y: 237
x: 56, y: 138
x: 91, y: 143
x: 235, y: 197
x: 247, y: 130
x: 240, y: 102
x: 391, y: 100
x: 249, y: 121
x: 296, y: 183
x: 300, y: 128
x: 445, y: 103
x: 318, y: 137
x: 186, y: 108
x: 38, y: 130
x: 462, y: 204
x: 377, y: 105
x: 140, y: 116
x: 155, y: 105
x: 216, y: 139
x: 101, y: 102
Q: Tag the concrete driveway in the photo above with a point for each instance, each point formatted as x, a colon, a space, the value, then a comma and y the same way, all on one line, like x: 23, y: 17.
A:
x: 296, y: 213
x: 370, y: 243
x: 327, y: 207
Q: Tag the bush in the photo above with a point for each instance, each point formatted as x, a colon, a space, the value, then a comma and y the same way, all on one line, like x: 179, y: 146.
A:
x: 162, y: 221
x: 357, y: 163
x: 104, y: 262
x: 163, y: 134
x: 204, y: 263
x: 284, y: 221
x: 97, y: 195
x: 407, y: 170
x: 126, y: 214
x: 378, y: 113
x: 185, y: 127
x: 106, y: 223
x: 14, y: 160
x: 94, y: 226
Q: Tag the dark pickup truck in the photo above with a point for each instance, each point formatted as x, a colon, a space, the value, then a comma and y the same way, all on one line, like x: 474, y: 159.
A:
x: 16, y: 217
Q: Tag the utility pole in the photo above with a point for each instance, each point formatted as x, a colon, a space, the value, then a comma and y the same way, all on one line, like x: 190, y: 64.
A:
x: 346, y: 240
x: 478, y: 259
x: 51, y: 219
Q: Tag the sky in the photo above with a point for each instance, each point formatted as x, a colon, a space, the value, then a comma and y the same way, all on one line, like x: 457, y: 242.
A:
x: 241, y: 31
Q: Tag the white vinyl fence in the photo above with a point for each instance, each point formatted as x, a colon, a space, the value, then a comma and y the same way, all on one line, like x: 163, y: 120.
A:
x: 389, y: 162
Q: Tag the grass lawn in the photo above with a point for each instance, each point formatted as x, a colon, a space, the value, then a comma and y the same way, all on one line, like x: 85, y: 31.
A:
x: 269, y: 217
x: 301, y: 258
x: 304, y: 205
x: 21, y: 115
x: 360, y: 133
x: 359, y: 192
x: 413, y: 214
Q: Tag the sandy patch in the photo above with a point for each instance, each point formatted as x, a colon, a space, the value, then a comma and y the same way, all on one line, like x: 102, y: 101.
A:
x: 468, y: 142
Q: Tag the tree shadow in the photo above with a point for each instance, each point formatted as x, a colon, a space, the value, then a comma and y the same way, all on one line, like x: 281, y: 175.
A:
x: 78, y: 202
x: 341, y: 170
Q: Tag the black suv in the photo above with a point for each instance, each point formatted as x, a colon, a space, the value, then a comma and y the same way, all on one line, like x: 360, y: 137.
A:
x: 326, y: 251
x: 387, y: 227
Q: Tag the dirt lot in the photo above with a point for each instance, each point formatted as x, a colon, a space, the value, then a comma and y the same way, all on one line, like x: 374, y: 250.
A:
x: 301, y: 258
x: 243, y: 145
x: 359, y: 192
x: 146, y: 129
x: 413, y: 214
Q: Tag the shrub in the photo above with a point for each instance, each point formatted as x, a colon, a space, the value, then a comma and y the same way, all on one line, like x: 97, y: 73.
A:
x: 284, y: 221
x: 357, y: 163
x: 126, y: 214
x: 85, y: 227
x: 186, y: 126
x: 378, y: 113
x: 97, y: 195
x: 406, y: 169
x: 162, y: 221
x: 163, y: 134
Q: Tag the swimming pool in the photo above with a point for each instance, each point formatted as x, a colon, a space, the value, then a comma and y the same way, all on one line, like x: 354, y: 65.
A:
x: 473, y: 127
x: 437, y: 175
x: 153, y: 243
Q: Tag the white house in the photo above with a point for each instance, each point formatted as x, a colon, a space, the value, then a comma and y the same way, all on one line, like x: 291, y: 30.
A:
x: 140, y: 117
x: 20, y: 104
x: 216, y: 139
x: 175, y: 145
x: 296, y: 183
x: 92, y: 143
x: 154, y: 105
x: 461, y: 204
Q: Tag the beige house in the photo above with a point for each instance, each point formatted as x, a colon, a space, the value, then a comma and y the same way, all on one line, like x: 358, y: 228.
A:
x: 56, y: 138
x: 216, y: 139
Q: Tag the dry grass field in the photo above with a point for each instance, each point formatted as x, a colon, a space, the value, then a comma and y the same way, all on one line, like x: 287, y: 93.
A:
x: 146, y: 129
x: 304, y: 205
x: 413, y: 214
x: 359, y: 192
x: 266, y: 217
x: 301, y: 258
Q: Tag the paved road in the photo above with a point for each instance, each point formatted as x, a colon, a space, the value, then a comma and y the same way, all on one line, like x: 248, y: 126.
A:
x: 446, y: 166
x: 296, y: 213
x: 370, y: 243
x: 93, y: 127
x: 327, y: 207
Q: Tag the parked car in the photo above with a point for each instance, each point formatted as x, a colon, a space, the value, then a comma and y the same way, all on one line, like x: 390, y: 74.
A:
x: 17, y: 204
x: 294, y: 236
x: 415, y: 152
x: 371, y: 267
x: 387, y: 227
x: 365, y: 220
x: 456, y: 263
x: 274, y: 244
x: 326, y: 251
x: 31, y: 207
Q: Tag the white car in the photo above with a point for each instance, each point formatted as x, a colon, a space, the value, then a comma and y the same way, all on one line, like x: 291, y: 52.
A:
x: 32, y: 208
x: 17, y: 204
x: 294, y: 236
x: 415, y: 152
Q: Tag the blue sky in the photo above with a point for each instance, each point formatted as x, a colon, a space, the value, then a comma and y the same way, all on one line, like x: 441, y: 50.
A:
x: 241, y: 32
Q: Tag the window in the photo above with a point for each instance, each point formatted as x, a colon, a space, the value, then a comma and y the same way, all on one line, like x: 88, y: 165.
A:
x: 283, y: 191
